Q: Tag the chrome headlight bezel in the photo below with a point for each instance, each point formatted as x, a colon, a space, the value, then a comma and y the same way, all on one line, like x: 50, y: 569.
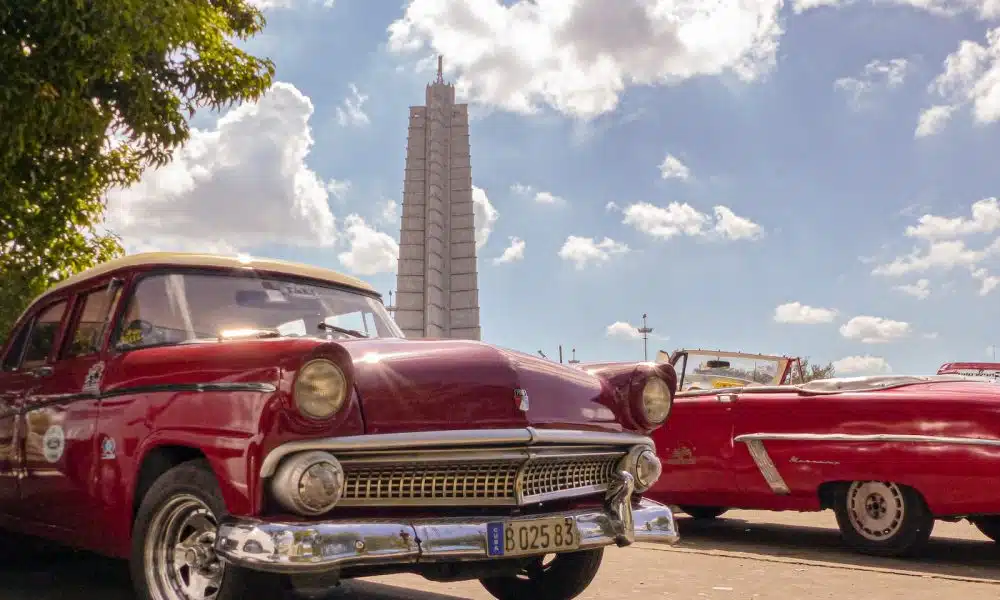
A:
x: 288, y: 481
x: 644, y: 466
x: 655, y: 391
x: 307, y: 392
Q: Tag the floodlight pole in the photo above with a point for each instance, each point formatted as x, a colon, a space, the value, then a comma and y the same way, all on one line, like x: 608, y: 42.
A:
x: 645, y: 331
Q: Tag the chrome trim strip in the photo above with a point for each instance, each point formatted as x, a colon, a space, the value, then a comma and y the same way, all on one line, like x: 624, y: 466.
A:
x: 455, y: 438
x: 874, y: 437
x: 766, y: 466
x: 316, y: 547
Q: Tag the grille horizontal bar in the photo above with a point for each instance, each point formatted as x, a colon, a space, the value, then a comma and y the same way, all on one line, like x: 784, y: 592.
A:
x: 506, y: 478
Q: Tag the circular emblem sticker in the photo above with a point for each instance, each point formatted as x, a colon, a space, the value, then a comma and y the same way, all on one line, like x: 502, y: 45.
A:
x: 54, y: 443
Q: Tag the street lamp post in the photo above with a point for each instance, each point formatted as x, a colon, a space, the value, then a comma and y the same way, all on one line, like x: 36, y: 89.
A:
x: 645, y: 331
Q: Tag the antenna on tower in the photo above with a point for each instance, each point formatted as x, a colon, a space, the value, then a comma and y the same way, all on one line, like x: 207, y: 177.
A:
x: 440, y: 78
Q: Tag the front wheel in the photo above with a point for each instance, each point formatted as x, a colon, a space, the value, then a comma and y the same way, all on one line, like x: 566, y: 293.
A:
x: 703, y: 513
x: 563, y: 577
x: 883, y: 518
x: 989, y: 526
x: 173, y: 540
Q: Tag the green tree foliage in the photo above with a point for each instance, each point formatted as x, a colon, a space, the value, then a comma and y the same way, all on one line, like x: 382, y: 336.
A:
x: 813, y: 371
x: 92, y: 93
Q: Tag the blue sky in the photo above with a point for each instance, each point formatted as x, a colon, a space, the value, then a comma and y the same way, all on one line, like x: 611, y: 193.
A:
x: 807, y: 122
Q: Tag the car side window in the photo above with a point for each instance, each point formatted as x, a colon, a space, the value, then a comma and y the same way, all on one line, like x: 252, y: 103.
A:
x: 95, y: 315
x: 13, y: 357
x: 43, y: 335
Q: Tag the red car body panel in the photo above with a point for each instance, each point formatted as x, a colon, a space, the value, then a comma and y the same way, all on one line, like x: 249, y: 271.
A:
x: 231, y: 402
x: 836, y: 437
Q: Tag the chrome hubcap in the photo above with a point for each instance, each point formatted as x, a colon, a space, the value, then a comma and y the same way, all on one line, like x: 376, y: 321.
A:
x: 876, y: 509
x: 180, y: 560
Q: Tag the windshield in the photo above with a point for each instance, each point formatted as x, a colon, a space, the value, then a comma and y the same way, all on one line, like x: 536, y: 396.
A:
x: 185, y: 307
x: 704, y: 370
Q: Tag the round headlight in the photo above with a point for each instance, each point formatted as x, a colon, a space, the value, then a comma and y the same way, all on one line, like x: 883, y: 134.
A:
x: 320, y: 389
x: 647, y: 470
x: 310, y: 483
x: 656, y: 400
x: 644, y: 466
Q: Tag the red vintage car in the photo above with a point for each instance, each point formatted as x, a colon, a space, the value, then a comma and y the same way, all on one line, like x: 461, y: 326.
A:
x: 890, y: 454
x: 988, y: 370
x: 230, y: 424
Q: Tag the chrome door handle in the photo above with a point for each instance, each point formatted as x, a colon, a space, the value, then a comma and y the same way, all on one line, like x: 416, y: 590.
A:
x: 43, y: 371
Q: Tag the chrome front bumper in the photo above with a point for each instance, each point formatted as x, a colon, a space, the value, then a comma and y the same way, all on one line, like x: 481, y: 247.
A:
x: 314, y: 547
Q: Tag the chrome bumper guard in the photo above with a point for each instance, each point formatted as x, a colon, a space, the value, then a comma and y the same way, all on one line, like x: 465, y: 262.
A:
x: 315, y: 547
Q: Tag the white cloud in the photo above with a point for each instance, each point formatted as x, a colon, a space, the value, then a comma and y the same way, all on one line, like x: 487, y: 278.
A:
x: 987, y: 282
x: 583, y: 251
x: 673, y: 168
x: 888, y: 73
x: 390, y: 211
x: 352, y: 109
x: 338, y: 188
x: 683, y: 219
x: 862, y: 365
x: 971, y: 77
x: 984, y: 9
x: 371, y: 251
x: 801, y: 314
x: 930, y: 335
x: 512, y: 253
x: 943, y: 251
x: 541, y: 197
x: 939, y: 255
x: 610, y: 206
x: 240, y: 185
x: 621, y: 329
x: 920, y: 289
x: 578, y: 57
x: 932, y: 120
x: 874, y: 330
x: 985, y: 219
x: 548, y: 198
x: 484, y: 214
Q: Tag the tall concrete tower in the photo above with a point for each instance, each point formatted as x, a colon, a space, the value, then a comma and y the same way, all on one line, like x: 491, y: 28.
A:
x: 437, y: 289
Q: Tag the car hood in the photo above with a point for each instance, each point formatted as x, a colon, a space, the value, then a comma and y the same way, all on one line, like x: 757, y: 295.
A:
x: 463, y: 384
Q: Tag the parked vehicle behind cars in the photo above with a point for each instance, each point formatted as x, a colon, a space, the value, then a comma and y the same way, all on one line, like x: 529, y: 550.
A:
x: 889, y: 455
x: 232, y: 424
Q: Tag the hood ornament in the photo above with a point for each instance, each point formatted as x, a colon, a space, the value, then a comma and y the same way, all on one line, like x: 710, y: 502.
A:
x: 522, y: 396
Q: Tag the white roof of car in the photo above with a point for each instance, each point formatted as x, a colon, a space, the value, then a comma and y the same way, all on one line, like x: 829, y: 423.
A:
x: 190, y: 259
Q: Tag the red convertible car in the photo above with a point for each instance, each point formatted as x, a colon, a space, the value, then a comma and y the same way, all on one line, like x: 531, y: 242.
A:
x: 230, y: 424
x: 890, y: 454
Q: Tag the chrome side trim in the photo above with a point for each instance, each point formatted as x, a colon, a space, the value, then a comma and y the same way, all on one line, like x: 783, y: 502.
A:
x: 456, y: 438
x: 874, y: 437
x: 766, y: 466
x: 316, y: 547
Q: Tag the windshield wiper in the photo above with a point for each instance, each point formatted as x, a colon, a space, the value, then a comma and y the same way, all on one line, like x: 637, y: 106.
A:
x: 350, y: 332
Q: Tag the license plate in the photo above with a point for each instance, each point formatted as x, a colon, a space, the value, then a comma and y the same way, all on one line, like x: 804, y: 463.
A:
x: 532, y: 536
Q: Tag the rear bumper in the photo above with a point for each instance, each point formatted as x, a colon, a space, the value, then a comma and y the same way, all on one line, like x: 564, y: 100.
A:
x: 314, y: 547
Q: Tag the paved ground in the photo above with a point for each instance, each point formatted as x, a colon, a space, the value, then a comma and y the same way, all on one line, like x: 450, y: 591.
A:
x: 743, y: 556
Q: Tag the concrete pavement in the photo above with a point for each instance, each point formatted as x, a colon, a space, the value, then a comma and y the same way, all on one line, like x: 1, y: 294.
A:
x: 744, y: 555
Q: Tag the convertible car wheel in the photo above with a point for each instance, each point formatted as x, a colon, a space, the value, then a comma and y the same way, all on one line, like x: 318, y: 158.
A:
x: 173, y: 539
x: 989, y: 526
x: 703, y: 513
x: 561, y: 577
x: 883, y: 518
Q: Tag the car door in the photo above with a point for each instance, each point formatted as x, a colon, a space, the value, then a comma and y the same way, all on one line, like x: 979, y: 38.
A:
x: 696, y: 449
x: 14, y: 386
x: 61, y: 417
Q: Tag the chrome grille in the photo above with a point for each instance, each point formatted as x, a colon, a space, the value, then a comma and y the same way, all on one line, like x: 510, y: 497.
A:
x: 485, y: 481
x: 508, y: 478
x: 553, y: 476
